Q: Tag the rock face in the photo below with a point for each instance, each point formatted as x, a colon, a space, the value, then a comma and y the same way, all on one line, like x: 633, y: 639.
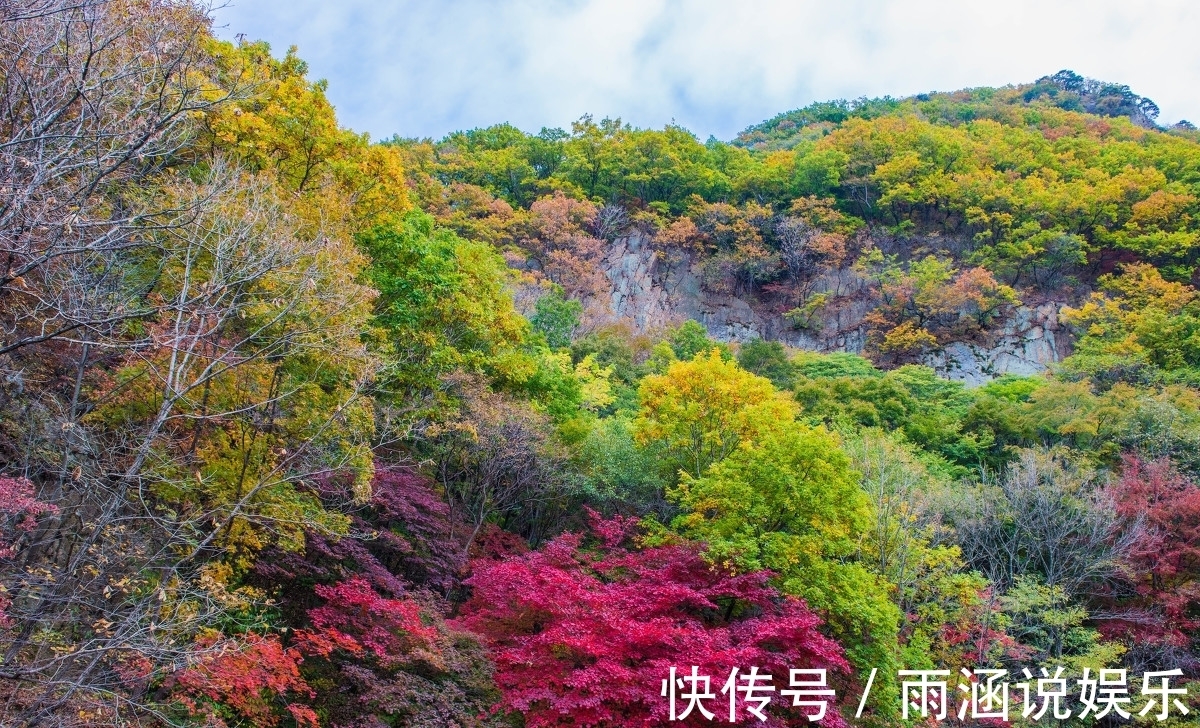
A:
x: 639, y: 287
x: 654, y: 293
x: 1031, y: 341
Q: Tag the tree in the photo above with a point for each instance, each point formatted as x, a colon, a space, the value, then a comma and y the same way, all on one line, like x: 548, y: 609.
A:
x: 807, y: 252
x: 286, y: 128
x: 359, y: 656
x: 789, y: 503
x: 1045, y: 259
x: 1138, y: 327
x: 559, y: 237
x: 249, y: 679
x: 416, y: 536
x: 619, y: 348
x: 949, y: 620
x: 556, y: 318
x: 19, y: 510
x: 198, y: 361
x: 442, y: 306
x: 1049, y: 626
x: 1044, y: 517
x: 1098, y: 427
x: 354, y: 613
x: 499, y: 463
x: 699, y: 410
x: 619, y: 476
x: 690, y: 339
x: 405, y: 536
x: 84, y: 120
x: 1157, y: 617
x: 584, y: 635
x: 362, y: 613
x: 189, y: 447
x: 929, y: 410
x: 767, y: 359
x: 932, y: 304
x: 834, y: 365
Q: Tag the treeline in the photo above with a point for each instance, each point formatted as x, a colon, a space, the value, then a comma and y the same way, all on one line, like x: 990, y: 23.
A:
x: 300, y: 429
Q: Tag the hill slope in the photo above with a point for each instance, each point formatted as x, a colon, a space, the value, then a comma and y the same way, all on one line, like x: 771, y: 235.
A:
x: 301, y: 430
x: 901, y: 228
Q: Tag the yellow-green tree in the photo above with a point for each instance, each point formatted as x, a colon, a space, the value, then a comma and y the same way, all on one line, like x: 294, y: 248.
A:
x: 789, y: 502
x: 287, y: 128
x: 443, y: 306
x: 1139, y: 325
x: 698, y: 411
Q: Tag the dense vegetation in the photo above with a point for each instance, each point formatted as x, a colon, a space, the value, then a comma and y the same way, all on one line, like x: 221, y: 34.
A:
x: 301, y: 429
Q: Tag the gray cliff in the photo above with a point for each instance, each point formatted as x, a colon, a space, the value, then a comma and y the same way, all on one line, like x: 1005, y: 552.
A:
x: 652, y: 292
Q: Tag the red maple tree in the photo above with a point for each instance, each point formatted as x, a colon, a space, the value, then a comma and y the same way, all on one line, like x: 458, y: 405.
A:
x: 258, y: 677
x: 355, y: 614
x: 1165, y: 561
x: 252, y: 676
x: 585, y: 635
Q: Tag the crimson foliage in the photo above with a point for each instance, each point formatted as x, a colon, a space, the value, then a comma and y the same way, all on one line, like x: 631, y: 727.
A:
x: 378, y: 661
x: 408, y: 540
x: 366, y: 617
x: 584, y: 636
x: 364, y: 660
x: 1166, y: 559
x: 19, y: 510
x: 251, y: 678
x: 357, y: 614
x: 416, y: 538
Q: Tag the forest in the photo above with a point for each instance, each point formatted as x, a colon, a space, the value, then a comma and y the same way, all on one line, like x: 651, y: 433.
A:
x: 300, y: 428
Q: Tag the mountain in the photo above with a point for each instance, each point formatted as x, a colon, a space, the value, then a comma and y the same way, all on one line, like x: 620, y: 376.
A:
x: 297, y: 429
x: 1065, y: 90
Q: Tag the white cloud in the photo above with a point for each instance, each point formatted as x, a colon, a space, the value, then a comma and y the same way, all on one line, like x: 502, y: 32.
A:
x: 423, y: 68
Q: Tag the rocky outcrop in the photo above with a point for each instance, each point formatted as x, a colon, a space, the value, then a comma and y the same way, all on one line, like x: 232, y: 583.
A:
x: 639, y: 284
x: 653, y: 293
x: 1029, y: 342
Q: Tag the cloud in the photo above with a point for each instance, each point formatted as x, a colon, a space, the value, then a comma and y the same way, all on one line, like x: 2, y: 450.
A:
x: 427, y: 68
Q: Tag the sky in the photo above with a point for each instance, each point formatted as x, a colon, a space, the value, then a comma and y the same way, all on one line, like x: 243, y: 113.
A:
x: 423, y: 68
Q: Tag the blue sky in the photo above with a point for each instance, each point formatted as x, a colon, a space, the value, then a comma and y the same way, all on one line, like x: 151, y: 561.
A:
x: 428, y: 67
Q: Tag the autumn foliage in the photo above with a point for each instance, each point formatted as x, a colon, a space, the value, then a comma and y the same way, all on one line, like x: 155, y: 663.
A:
x: 1165, y: 562
x: 588, y: 627
x: 354, y: 614
x: 19, y: 509
x: 302, y: 429
x: 260, y: 678
x: 249, y: 678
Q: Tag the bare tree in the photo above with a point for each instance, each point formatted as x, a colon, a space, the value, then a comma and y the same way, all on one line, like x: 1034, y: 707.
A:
x: 893, y: 480
x: 121, y: 576
x: 796, y: 238
x: 499, y: 465
x: 1045, y: 516
x: 612, y: 221
x: 95, y: 96
x: 181, y: 356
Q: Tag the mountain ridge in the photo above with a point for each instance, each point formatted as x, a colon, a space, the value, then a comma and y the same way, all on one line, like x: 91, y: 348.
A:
x: 1065, y: 89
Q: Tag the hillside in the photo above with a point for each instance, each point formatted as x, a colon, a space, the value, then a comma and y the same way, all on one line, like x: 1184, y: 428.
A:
x: 910, y: 230
x: 508, y: 428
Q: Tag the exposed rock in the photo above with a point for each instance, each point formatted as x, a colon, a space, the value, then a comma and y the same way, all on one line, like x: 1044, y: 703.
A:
x: 639, y: 290
x: 654, y: 294
x: 1029, y: 342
